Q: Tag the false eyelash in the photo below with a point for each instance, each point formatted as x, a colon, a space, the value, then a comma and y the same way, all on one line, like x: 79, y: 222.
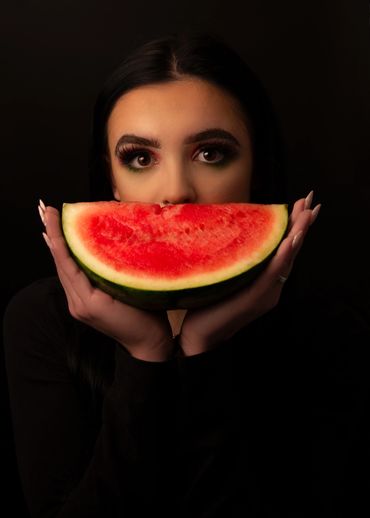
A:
x: 127, y: 153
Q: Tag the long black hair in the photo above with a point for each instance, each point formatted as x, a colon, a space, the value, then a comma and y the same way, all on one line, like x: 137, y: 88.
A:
x: 169, y: 58
x: 204, y: 56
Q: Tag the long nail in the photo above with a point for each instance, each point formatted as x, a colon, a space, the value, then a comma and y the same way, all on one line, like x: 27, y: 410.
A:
x: 42, y: 215
x: 47, y: 240
x: 308, y: 200
x: 297, y: 239
x: 315, y: 212
x: 42, y: 204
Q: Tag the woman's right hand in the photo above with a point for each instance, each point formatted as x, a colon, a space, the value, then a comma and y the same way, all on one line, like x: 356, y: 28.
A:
x: 146, y: 335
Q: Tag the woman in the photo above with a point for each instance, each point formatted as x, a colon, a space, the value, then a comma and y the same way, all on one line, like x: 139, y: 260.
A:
x: 119, y: 411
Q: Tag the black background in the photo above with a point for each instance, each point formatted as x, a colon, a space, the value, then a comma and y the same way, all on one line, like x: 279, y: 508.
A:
x: 313, y: 58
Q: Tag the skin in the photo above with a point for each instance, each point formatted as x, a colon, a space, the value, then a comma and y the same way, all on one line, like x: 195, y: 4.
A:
x: 178, y: 172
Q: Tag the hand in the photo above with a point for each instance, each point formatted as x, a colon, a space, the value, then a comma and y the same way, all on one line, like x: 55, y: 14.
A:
x: 146, y: 335
x: 204, y: 328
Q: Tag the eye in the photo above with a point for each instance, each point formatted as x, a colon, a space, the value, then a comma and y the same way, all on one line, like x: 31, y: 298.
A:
x: 211, y: 154
x: 216, y: 154
x: 135, y: 158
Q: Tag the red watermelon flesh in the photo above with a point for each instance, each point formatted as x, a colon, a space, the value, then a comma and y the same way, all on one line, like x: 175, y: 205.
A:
x: 173, y: 256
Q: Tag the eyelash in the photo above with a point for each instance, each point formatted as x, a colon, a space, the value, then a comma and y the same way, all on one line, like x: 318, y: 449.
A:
x: 126, y: 154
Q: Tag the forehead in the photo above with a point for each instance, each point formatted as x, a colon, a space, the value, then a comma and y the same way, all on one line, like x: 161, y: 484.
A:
x: 186, y: 104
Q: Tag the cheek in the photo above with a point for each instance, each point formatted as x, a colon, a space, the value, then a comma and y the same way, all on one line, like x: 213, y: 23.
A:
x: 226, y: 187
x: 238, y: 183
x: 118, y: 183
x: 130, y: 188
x: 238, y: 191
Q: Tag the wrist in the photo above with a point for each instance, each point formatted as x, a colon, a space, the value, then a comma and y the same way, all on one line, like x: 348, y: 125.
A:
x: 190, y: 348
x: 152, y: 353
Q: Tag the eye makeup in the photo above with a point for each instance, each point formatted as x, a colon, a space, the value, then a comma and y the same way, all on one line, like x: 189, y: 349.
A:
x: 228, y: 152
x: 127, y: 154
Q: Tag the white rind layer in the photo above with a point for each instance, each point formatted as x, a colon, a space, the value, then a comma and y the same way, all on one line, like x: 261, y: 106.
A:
x: 70, y: 217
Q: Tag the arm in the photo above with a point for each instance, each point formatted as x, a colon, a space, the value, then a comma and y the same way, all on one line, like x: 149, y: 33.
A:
x: 61, y: 477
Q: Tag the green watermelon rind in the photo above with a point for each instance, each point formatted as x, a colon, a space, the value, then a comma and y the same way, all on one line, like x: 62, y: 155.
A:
x: 181, y: 298
x: 188, y: 298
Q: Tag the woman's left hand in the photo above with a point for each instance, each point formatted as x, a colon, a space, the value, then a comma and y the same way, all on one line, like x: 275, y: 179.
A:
x: 204, y: 328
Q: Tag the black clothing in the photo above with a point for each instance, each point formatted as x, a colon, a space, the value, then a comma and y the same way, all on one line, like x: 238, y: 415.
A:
x: 272, y: 423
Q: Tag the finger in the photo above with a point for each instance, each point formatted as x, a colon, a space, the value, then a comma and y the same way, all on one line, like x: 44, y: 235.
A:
x: 289, y: 250
x: 280, y: 266
x: 61, y: 252
x: 52, y: 223
x: 302, y: 223
x: 41, y: 208
x: 297, y: 209
x: 308, y: 200
x: 315, y: 212
x: 72, y: 277
x: 299, y: 206
x: 68, y: 289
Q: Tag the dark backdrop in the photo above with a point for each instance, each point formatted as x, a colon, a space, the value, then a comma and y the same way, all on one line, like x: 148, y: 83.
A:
x: 313, y: 58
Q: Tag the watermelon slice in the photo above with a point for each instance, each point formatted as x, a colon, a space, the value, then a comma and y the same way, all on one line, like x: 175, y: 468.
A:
x: 174, y: 256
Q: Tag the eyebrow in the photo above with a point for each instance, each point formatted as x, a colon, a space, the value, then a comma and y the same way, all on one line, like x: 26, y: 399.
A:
x: 191, y: 139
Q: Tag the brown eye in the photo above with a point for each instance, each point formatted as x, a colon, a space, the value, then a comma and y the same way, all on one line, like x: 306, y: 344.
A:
x: 217, y: 154
x: 211, y: 155
x: 143, y: 159
x: 135, y: 158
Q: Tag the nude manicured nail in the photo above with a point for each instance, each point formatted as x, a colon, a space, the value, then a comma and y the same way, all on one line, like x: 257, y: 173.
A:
x: 315, y: 212
x: 47, y: 240
x: 42, y: 215
x: 297, y: 239
x: 42, y: 204
x: 308, y: 200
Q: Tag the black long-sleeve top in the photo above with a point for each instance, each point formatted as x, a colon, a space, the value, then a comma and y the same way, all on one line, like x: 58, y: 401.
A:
x: 273, y: 422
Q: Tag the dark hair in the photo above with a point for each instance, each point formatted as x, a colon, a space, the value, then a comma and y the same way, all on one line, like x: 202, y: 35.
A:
x: 209, y: 57
x: 165, y: 59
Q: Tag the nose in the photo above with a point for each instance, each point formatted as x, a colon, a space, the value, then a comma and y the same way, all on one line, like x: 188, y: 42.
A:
x: 177, y: 186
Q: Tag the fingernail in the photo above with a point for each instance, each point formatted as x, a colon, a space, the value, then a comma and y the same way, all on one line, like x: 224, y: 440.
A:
x: 315, y: 213
x: 308, y: 200
x: 42, y: 215
x: 297, y: 239
x: 42, y: 204
x: 47, y: 240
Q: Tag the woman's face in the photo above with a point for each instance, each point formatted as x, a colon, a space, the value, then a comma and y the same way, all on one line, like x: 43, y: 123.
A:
x: 179, y: 142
